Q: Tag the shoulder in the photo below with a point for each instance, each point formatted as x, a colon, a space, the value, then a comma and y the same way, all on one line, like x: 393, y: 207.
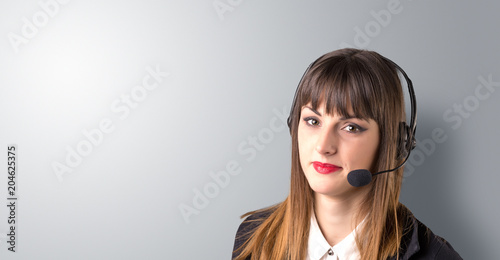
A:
x: 422, y: 243
x: 249, y: 225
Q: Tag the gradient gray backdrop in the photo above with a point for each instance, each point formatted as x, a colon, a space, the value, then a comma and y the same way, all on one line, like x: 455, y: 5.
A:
x: 232, y: 73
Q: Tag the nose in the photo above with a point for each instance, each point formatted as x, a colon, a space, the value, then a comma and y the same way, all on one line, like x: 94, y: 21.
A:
x: 326, y: 143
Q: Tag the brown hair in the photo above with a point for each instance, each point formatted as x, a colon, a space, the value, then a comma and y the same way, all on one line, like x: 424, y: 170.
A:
x: 370, y: 84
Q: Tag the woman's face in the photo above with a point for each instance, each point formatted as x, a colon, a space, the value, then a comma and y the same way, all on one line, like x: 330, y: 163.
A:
x: 330, y: 146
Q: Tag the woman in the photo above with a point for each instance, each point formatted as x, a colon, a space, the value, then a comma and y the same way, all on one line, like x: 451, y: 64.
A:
x: 347, y: 115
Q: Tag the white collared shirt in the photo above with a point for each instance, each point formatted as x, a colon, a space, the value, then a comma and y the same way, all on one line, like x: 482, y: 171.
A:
x: 319, y: 249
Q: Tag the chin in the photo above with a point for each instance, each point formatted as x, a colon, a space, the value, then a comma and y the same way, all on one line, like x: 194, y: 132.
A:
x: 329, y: 188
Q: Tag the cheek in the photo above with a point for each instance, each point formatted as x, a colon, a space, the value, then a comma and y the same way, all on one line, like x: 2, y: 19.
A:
x: 370, y: 152
x: 360, y: 154
x: 304, y: 145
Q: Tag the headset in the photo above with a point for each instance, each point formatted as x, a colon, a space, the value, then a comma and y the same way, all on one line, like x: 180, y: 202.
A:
x: 406, y: 136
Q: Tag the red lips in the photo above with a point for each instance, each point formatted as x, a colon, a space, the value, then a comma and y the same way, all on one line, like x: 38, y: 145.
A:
x: 325, y: 168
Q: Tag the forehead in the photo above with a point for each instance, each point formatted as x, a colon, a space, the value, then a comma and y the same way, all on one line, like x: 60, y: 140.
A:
x: 337, y: 96
x: 337, y: 106
x: 321, y: 111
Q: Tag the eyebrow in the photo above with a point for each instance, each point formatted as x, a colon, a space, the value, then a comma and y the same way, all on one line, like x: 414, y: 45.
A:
x: 342, y: 118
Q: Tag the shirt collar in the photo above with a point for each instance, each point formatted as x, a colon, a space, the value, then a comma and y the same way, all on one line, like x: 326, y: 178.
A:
x: 318, y: 247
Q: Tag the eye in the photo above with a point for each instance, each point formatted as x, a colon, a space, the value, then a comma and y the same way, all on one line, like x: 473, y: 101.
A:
x: 311, y: 121
x: 353, y: 128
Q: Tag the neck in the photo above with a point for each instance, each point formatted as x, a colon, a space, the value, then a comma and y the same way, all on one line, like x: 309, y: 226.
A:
x: 336, y: 216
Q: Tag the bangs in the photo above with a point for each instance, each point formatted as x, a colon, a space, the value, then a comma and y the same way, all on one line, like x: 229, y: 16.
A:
x: 341, y: 86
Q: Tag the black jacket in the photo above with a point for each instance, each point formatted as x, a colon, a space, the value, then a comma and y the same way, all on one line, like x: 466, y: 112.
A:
x: 418, y: 243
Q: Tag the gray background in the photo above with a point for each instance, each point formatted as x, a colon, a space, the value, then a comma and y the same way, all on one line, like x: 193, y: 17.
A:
x: 229, y: 74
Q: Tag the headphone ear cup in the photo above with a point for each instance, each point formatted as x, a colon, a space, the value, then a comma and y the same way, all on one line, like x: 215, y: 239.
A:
x: 403, y: 137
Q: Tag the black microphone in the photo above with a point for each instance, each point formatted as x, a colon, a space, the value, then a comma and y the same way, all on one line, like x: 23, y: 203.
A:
x: 362, y: 177
x: 359, y: 178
